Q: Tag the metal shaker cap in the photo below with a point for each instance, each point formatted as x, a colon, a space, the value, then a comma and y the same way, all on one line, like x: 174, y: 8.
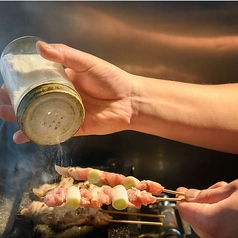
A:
x: 50, y: 113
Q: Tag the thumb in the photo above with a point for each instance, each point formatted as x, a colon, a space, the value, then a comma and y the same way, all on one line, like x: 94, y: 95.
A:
x: 211, y: 195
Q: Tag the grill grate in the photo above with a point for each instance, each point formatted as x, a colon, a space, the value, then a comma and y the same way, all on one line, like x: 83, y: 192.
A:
x: 8, y: 209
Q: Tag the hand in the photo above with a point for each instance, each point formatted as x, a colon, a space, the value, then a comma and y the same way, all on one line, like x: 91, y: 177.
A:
x: 212, y: 212
x: 105, y: 90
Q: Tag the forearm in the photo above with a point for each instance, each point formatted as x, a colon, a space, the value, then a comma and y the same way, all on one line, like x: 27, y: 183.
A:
x: 201, y: 115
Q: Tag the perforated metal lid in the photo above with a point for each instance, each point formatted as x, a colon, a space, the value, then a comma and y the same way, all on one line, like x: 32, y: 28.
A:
x: 50, y: 114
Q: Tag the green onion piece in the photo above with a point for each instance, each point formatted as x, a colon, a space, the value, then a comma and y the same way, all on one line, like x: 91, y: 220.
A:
x: 94, y: 176
x: 73, y: 198
x: 130, y: 182
x: 119, y: 197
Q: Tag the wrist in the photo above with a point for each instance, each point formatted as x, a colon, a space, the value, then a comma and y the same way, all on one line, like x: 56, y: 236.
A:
x: 140, y: 102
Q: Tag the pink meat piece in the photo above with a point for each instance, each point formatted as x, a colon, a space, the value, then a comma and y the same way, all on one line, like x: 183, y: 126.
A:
x: 134, y: 200
x: 150, y: 186
x: 85, y: 197
x: 137, y: 198
x: 101, y: 195
x: 112, y: 179
x: 79, y: 173
x: 55, y: 197
x: 147, y: 198
x: 107, y: 190
x: 97, y: 198
x: 103, y: 198
x: 62, y: 170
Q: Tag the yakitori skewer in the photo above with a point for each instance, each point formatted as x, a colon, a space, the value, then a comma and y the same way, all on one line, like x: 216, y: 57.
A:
x: 133, y: 214
x: 161, y: 199
x: 150, y: 223
x: 99, y: 177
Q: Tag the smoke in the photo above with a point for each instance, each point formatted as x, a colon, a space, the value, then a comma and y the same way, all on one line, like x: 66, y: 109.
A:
x: 27, y: 165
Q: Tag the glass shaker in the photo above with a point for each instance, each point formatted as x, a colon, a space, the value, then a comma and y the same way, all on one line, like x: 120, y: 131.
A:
x: 48, y: 108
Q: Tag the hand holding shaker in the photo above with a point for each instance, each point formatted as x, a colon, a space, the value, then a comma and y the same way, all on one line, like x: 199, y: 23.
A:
x: 48, y: 108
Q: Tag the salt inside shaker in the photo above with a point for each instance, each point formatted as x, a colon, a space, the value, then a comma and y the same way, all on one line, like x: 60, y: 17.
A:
x: 48, y: 109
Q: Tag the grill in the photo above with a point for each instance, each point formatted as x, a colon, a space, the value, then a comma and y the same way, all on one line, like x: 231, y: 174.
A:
x: 16, y: 194
x: 26, y: 166
x: 173, y: 226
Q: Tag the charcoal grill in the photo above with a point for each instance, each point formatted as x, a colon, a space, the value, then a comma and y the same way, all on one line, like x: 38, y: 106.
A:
x: 26, y: 166
x: 173, y: 226
x: 16, y: 194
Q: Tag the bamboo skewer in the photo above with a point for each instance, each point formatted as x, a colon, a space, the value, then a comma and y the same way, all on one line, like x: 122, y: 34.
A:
x: 137, y: 222
x: 133, y: 214
x: 161, y: 199
x: 173, y: 192
x: 145, y: 215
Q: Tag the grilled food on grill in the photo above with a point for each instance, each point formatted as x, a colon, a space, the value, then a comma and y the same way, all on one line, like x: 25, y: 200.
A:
x: 99, y: 177
x: 77, y: 200
x: 61, y: 217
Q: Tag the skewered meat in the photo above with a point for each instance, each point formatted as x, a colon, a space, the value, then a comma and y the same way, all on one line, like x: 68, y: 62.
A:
x: 150, y: 186
x: 91, y: 195
x: 61, y: 217
x: 55, y: 197
x: 77, y: 199
x: 96, y: 196
x: 96, y: 176
x: 138, y: 198
x: 43, y: 189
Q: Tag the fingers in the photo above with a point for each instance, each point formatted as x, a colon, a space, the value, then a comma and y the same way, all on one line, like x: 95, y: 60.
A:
x: 6, y: 110
x: 181, y: 189
x: 20, y: 138
x: 218, y: 184
x: 7, y: 113
x: 3, y: 86
x: 213, y: 194
x: 4, y: 97
x: 67, y: 56
x: 197, y: 215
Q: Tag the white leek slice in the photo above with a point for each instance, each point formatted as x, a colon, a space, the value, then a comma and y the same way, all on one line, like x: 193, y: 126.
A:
x: 73, y: 198
x: 94, y: 176
x: 119, y: 197
x: 130, y: 182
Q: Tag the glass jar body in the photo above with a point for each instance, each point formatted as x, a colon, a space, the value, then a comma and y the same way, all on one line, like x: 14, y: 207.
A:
x: 40, y: 93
